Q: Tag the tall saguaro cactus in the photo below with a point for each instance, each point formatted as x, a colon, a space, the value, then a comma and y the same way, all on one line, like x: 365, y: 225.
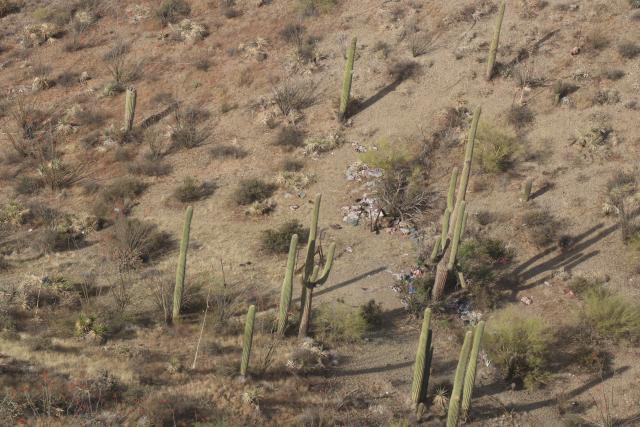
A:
x: 422, y: 367
x: 182, y: 265
x: 129, y: 108
x: 454, y: 218
x: 287, y: 286
x: 311, y: 275
x: 348, y: 78
x: 247, y: 340
x: 493, y: 50
x: 470, y: 374
x: 456, y: 394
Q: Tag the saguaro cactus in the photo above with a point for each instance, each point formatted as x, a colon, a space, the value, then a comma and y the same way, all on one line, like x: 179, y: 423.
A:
x: 456, y: 216
x: 182, y: 265
x: 287, y: 286
x: 493, y: 50
x: 129, y: 108
x: 470, y: 374
x: 456, y: 394
x: 311, y: 276
x: 422, y: 367
x: 247, y: 340
x: 348, y: 77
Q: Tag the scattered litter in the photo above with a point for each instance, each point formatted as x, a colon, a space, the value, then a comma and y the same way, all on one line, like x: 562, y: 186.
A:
x: 348, y: 249
x: 294, y: 207
x: 526, y: 300
x: 366, y: 207
x: 359, y: 148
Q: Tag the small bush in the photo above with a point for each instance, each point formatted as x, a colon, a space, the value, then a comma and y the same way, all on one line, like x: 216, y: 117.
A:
x: 496, y: 148
x: 277, y: 241
x: 635, y: 3
x: 519, y: 346
x: 629, y: 50
x: 289, y: 138
x: 171, y: 11
x: 293, y: 33
x: 7, y: 7
x: 595, y: 41
x: 185, y: 131
x: 613, y: 74
x: 314, y: 7
x: 222, y: 151
x: 337, y: 323
x: 253, y: 190
x: 421, y: 43
x: 541, y: 226
x: 401, y: 70
x: 191, y: 190
x: 611, y: 316
x: 58, y: 175
x: 149, y: 167
x: 480, y: 258
x: 292, y: 165
x: 293, y: 96
x: 520, y: 116
x: 27, y: 185
x: 133, y: 242
x: 54, y: 239
x: 371, y: 312
x: 118, y: 197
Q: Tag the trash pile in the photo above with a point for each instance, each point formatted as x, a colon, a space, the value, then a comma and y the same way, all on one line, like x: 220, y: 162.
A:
x: 365, y: 208
x: 359, y: 171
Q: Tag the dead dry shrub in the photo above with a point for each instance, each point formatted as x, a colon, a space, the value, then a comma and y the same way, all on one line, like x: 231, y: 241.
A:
x: 293, y: 96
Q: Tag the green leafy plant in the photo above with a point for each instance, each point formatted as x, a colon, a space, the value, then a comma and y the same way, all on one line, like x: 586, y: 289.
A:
x: 496, y: 148
x: 519, y: 346
x: 277, y: 241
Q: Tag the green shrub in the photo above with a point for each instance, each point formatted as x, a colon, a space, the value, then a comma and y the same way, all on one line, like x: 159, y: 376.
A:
x: 519, y: 346
x: 635, y: 3
x: 496, y: 148
x: 171, y: 11
x: 277, y: 241
x: 191, y: 190
x: 611, y: 316
x: 253, y: 190
x: 520, y: 116
x: 338, y: 323
x: 371, y: 313
x: 479, y: 258
x: 7, y: 7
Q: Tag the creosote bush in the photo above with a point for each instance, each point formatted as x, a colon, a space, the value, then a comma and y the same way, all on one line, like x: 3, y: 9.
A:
x: 338, y: 323
x: 186, y: 131
x: 277, y: 241
x: 192, y: 190
x: 496, y: 148
x: 253, y: 190
x: 610, y: 316
x: 480, y: 260
x: 519, y: 346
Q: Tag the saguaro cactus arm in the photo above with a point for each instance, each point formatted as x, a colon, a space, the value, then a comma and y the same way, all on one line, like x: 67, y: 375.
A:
x: 319, y: 279
x: 348, y: 77
x: 493, y: 50
x: 457, y: 234
x: 287, y: 286
x: 422, y: 364
x: 247, y: 340
x: 182, y: 265
x: 456, y: 394
x: 470, y: 374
